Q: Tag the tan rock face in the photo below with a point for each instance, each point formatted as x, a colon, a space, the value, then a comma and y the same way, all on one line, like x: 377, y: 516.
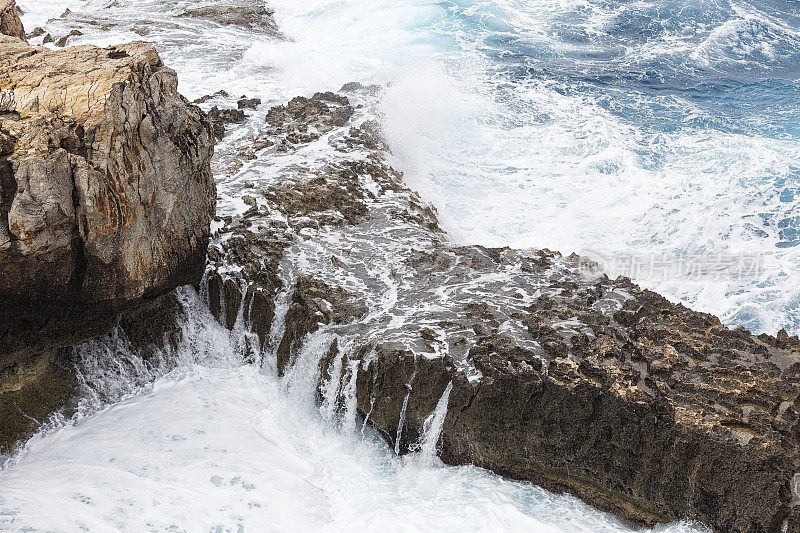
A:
x: 10, y: 24
x: 106, y: 192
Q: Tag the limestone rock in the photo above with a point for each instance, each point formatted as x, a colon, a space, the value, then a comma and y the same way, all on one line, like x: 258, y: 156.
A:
x: 47, y: 382
x: 242, y: 13
x: 248, y: 103
x: 303, y: 120
x: 106, y: 193
x: 220, y: 117
x: 315, y: 303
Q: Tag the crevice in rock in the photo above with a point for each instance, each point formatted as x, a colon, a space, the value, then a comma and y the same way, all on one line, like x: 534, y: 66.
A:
x: 8, y: 189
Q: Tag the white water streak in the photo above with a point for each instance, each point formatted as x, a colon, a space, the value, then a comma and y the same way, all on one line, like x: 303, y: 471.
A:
x: 330, y: 389
x: 401, y: 422
x: 433, y: 425
x: 349, y: 396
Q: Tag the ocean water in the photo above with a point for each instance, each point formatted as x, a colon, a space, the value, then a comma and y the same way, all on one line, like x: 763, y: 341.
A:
x: 613, y: 128
x: 618, y: 129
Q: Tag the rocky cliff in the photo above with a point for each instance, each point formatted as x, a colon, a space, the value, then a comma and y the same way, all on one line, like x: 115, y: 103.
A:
x: 106, y: 196
x: 550, y: 372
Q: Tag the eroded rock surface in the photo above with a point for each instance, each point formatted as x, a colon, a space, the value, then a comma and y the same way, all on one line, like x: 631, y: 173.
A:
x: 303, y: 120
x: 559, y: 375
x: 51, y: 384
x: 220, y: 117
x: 106, y: 194
x: 242, y: 13
x: 10, y: 23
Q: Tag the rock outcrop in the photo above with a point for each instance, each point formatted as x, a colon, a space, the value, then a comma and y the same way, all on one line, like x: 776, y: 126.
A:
x: 106, y: 197
x: 241, y: 13
x: 555, y: 373
x: 10, y: 24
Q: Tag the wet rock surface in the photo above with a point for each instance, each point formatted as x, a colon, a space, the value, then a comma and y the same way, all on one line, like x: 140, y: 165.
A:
x: 106, y: 196
x: 62, y: 42
x: 559, y: 375
x: 236, y: 13
x: 47, y: 387
x: 30, y: 391
x: 220, y: 117
x: 304, y: 120
x: 248, y: 103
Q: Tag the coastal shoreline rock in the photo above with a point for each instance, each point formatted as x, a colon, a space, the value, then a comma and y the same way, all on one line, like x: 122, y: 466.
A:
x: 556, y: 374
x: 552, y: 372
x: 241, y: 13
x: 106, y: 197
x: 44, y: 387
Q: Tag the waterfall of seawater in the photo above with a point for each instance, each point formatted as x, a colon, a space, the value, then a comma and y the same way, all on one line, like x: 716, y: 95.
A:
x: 433, y: 425
x: 198, y: 441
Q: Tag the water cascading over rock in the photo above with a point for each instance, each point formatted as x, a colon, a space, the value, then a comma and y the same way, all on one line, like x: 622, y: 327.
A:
x: 337, y: 275
x: 550, y: 372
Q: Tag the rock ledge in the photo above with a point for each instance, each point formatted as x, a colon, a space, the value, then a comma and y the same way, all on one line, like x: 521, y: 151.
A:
x: 559, y: 376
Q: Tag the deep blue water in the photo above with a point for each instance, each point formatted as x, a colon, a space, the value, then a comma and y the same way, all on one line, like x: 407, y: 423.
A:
x: 672, y: 126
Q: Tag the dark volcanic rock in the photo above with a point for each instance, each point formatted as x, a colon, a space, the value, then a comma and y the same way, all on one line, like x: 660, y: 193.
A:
x: 106, y: 197
x: 559, y: 375
x: 243, y: 13
x: 220, y: 117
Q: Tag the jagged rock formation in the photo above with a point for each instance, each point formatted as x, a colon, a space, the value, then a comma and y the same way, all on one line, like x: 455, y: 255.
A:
x: 10, y: 24
x: 559, y: 375
x: 106, y: 196
x: 236, y: 13
x: 220, y: 117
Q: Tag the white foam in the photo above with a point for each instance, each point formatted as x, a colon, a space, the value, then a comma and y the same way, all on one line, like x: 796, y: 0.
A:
x: 432, y: 428
x: 535, y: 164
x: 227, y: 449
x: 530, y: 163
